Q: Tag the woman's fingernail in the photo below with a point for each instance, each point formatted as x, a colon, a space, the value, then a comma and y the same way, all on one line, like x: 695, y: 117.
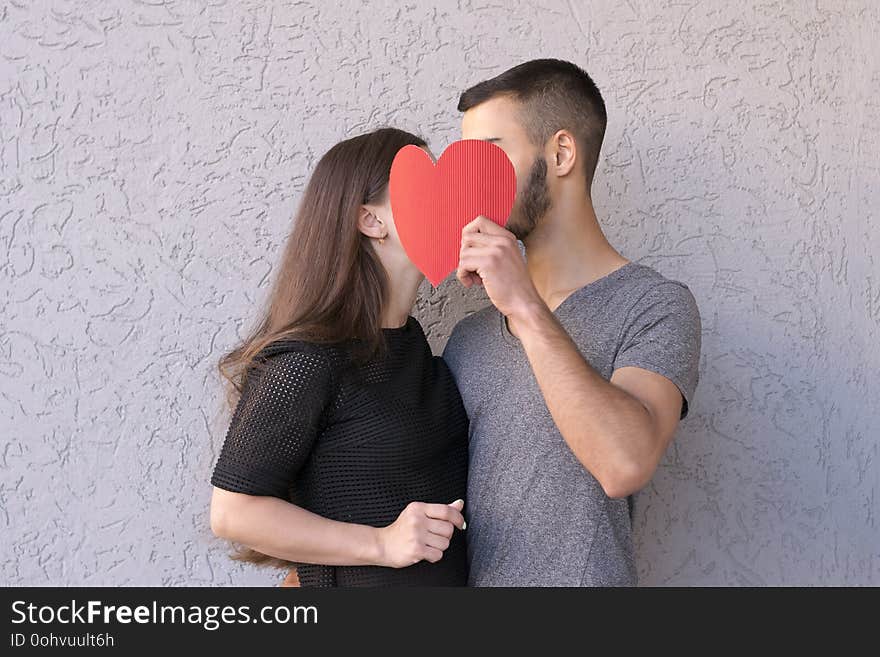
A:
x: 464, y: 525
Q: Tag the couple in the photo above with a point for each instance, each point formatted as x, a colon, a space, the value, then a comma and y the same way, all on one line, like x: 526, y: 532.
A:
x: 361, y: 459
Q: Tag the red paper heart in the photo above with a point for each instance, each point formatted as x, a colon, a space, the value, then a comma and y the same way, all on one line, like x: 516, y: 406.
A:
x: 431, y: 204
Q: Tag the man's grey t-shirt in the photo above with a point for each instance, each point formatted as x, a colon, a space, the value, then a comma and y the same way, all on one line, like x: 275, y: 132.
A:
x: 535, y: 515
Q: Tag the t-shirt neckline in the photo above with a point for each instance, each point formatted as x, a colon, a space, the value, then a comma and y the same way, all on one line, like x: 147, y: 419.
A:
x: 592, y: 286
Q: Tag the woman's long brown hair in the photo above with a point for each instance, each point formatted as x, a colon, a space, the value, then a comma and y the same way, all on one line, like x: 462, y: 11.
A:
x: 330, y: 286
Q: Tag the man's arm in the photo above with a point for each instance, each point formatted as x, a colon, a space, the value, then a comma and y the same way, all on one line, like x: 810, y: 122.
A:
x: 618, y: 430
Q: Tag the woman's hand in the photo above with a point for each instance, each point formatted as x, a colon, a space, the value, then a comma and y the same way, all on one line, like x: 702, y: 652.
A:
x: 421, y: 532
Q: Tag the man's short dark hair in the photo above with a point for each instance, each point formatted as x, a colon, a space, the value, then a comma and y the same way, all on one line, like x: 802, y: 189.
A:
x: 554, y: 95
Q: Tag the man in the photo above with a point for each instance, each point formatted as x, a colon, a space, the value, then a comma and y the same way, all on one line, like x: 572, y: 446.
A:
x: 576, y: 377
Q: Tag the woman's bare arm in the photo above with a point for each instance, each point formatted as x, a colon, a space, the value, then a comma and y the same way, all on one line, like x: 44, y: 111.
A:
x: 280, y: 529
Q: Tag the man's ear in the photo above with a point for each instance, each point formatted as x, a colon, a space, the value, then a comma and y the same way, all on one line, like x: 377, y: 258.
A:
x: 369, y: 224
x: 563, y: 153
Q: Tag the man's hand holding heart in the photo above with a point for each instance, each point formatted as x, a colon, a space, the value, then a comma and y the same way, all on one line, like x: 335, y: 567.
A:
x: 432, y: 202
x: 490, y: 256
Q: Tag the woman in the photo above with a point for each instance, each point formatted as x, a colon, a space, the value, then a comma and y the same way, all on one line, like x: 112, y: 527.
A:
x: 346, y: 453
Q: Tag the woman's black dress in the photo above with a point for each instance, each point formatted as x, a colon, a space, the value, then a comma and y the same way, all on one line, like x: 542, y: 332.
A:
x: 354, y: 443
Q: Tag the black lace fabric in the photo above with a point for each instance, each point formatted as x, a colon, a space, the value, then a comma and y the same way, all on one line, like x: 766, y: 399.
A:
x: 354, y: 443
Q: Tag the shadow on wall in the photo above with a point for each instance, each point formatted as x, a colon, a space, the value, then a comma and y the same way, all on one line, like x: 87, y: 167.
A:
x: 776, y: 442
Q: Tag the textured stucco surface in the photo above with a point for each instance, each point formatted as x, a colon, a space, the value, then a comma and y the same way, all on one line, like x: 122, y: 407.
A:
x: 152, y: 154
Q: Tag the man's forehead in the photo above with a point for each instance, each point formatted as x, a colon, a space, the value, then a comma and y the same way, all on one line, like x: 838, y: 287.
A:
x: 487, y: 118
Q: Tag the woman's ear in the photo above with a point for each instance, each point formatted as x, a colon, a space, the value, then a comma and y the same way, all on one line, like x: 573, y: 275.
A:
x: 370, y: 224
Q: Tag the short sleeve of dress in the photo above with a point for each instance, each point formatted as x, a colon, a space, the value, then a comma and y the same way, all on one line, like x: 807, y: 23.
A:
x: 275, y: 423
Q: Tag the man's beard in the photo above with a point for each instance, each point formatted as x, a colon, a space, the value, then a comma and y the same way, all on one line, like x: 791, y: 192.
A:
x: 532, y: 202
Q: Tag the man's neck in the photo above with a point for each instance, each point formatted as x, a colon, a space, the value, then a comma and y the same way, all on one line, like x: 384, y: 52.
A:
x: 568, y: 250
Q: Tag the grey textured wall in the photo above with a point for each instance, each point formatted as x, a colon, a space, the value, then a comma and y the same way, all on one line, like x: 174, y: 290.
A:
x: 151, y: 157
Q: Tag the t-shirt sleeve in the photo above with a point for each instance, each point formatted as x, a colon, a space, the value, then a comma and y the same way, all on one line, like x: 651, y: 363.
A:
x: 275, y: 423
x: 662, y: 334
